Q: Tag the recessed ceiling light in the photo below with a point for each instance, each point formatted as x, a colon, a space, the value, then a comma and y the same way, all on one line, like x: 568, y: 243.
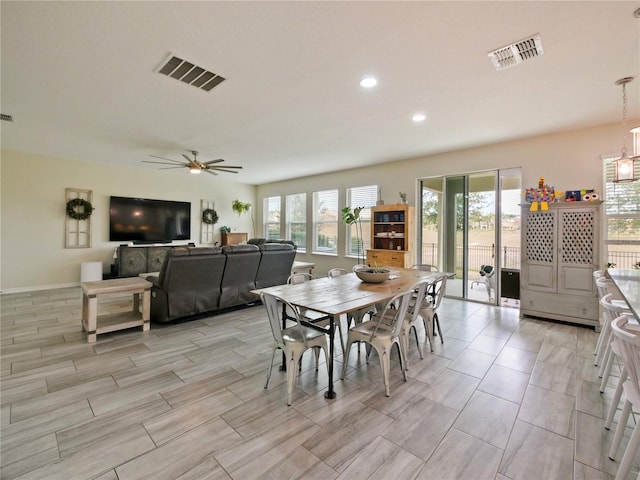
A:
x: 368, y: 82
x: 419, y: 117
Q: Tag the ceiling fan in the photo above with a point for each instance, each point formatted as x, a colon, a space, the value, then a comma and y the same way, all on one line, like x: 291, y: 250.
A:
x: 194, y: 165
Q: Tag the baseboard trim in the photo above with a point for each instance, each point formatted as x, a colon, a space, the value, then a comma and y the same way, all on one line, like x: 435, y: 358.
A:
x: 6, y: 291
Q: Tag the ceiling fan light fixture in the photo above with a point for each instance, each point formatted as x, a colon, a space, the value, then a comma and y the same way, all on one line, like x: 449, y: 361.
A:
x: 193, y: 165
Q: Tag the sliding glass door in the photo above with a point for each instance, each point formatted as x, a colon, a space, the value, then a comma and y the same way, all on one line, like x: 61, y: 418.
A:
x: 462, y: 228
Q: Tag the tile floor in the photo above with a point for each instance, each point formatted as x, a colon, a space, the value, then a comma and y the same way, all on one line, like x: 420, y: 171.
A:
x: 502, y: 398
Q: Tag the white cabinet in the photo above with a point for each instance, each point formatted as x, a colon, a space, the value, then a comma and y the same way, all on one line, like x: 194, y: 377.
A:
x: 559, y: 254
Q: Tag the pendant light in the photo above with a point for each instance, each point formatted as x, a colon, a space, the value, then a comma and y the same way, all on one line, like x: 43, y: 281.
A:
x: 624, y: 165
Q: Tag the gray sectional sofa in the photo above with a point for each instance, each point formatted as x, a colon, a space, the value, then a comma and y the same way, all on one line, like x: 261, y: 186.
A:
x: 197, y: 280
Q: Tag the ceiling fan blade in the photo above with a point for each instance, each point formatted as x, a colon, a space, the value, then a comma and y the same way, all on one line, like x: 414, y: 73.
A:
x: 211, y: 172
x: 171, y: 168
x: 163, y: 163
x: 211, y: 162
x: 226, y: 166
x: 221, y: 170
x: 169, y: 159
x: 188, y: 159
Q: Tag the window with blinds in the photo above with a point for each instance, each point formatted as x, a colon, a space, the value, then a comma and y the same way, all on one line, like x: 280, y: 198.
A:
x: 622, y: 217
x: 296, y: 220
x: 325, y: 222
x: 271, y: 217
x: 358, y: 242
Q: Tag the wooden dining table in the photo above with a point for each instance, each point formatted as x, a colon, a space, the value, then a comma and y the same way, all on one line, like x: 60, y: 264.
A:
x: 346, y: 293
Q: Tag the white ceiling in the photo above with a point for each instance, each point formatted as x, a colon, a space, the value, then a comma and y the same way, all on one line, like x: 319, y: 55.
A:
x: 79, y: 80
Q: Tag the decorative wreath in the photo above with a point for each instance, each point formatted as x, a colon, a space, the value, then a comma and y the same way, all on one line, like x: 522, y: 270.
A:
x: 209, y: 216
x: 79, y: 209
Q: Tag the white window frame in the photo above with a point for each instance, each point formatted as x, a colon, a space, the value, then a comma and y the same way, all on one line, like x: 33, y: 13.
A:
x: 325, y: 217
x: 272, y: 207
x: 290, y: 221
x: 618, y: 207
x: 361, y: 196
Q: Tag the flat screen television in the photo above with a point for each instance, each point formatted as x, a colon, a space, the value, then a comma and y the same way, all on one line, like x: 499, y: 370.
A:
x: 141, y: 220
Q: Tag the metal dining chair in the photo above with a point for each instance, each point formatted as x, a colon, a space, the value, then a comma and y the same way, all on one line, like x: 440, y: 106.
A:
x: 355, y: 316
x: 411, y: 319
x: 381, y: 333
x: 429, y: 310
x: 293, y: 341
x: 311, y: 316
x: 336, y: 272
x: 425, y: 267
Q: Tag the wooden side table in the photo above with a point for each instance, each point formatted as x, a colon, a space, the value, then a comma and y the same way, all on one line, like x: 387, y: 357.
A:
x: 94, y: 324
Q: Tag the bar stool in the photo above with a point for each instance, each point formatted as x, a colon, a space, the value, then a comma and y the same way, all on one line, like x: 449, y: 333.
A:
x: 629, y: 347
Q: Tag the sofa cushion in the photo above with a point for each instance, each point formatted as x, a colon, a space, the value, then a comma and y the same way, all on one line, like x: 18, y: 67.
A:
x: 275, y: 264
x: 192, y: 280
x: 261, y: 241
x: 244, y: 248
x: 239, y: 274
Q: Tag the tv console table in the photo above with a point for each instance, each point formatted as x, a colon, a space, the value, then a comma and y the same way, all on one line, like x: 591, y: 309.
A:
x: 131, y: 261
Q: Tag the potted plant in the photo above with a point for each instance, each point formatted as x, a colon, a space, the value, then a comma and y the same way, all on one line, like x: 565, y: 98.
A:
x: 352, y: 217
x: 243, y: 207
x: 240, y: 207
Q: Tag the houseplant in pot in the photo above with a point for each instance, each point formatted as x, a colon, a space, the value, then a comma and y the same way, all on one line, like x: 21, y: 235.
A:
x: 352, y: 217
x: 243, y: 207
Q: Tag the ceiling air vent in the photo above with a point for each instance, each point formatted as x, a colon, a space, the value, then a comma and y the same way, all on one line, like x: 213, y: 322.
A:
x: 6, y: 118
x: 518, y: 52
x: 189, y: 73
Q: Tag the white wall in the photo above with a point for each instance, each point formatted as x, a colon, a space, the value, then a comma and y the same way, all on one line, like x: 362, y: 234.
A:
x: 33, y: 188
x: 567, y: 160
x: 33, y: 213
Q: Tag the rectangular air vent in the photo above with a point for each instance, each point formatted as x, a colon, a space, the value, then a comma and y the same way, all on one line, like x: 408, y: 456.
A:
x: 187, y: 72
x: 516, y: 53
x: 6, y: 118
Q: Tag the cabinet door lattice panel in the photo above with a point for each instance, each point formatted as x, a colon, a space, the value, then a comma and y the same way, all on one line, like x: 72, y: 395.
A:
x: 540, y: 231
x: 577, y: 242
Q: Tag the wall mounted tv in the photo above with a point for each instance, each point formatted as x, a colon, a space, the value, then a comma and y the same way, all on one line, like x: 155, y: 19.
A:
x: 141, y: 220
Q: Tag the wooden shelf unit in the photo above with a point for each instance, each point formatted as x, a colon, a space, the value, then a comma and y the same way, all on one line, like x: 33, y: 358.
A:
x: 392, y: 230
